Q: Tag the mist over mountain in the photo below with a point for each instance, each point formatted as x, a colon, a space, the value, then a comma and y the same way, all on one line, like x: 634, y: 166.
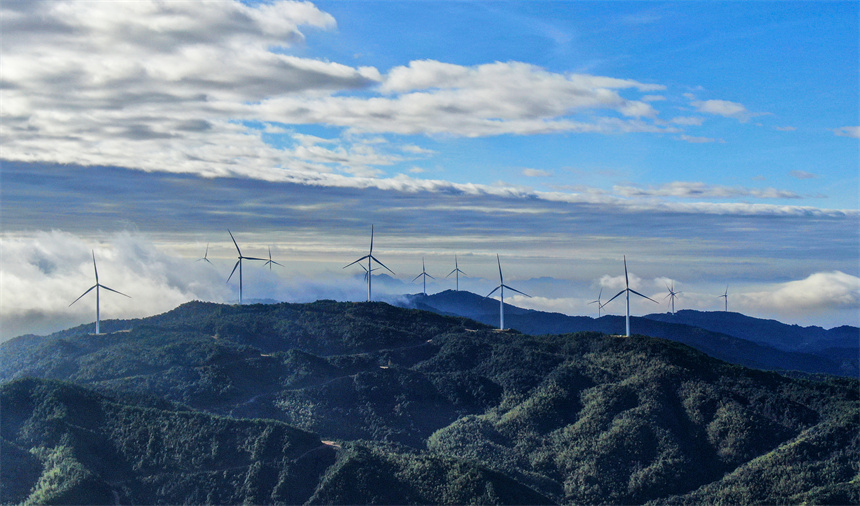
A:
x: 735, y: 338
x: 369, y: 403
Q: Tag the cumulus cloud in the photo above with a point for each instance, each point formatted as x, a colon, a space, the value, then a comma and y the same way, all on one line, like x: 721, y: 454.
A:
x: 724, y: 108
x: 195, y: 87
x: 818, y: 292
x: 848, y: 131
x: 685, y: 189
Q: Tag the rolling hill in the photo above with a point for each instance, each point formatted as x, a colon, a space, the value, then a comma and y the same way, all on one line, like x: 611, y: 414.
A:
x: 735, y: 338
x: 421, y: 407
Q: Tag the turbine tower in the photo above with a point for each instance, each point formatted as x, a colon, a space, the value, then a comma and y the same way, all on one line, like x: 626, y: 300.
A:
x: 369, y: 269
x: 725, y: 295
x: 628, y: 291
x: 457, y: 271
x: 423, y: 275
x: 239, y: 265
x: 205, y: 255
x: 270, y: 261
x: 501, y: 289
x: 599, y: 305
x: 672, y: 295
x: 97, y: 286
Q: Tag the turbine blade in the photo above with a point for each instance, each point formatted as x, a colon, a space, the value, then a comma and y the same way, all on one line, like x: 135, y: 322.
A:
x: 234, y: 269
x: 276, y: 263
x: 380, y: 263
x: 82, y: 295
x: 416, y: 277
x: 210, y: 262
x: 96, y: 269
x: 599, y: 293
x: 359, y: 260
x: 254, y: 258
x: 452, y: 272
x: 234, y: 242
x: 114, y: 291
x: 626, y: 279
x: 613, y: 298
x: 647, y: 297
x: 515, y: 290
x: 501, y: 279
x: 494, y: 291
x: 371, y: 239
x: 429, y: 276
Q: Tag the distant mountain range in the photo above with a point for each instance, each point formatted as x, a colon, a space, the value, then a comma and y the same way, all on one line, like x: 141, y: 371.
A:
x: 360, y: 403
x: 733, y: 337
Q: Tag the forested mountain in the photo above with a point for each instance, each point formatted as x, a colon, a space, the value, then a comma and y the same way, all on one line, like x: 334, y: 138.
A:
x: 735, y: 338
x: 421, y: 408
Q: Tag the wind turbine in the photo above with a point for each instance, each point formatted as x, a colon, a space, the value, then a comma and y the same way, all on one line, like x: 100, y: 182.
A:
x: 97, y: 286
x: 457, y: 271
x: 270, y: 261
x: 423, y: 275
x: 725, y: 295
x: 599, y: 305
x: 501, y: 289
x: 673, y: 294
x: 628, y: 290
x: 239, y: 265
x: 206, y: 255
x: 369, y: 269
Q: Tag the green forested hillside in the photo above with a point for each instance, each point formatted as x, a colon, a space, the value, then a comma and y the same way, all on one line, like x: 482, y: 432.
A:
x: 431, y: 409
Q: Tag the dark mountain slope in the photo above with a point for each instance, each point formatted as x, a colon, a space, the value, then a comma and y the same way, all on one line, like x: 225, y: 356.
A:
x: 579, y: 418
x: 80, y: 447
x: 768, y: 332
x: 66, y: 445
x: 720, y: 345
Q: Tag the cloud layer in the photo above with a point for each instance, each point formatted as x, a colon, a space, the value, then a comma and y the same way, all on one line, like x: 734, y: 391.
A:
x: 43, y: 273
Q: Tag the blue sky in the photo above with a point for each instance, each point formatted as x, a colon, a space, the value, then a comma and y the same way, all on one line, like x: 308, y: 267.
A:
x: 713, y: 143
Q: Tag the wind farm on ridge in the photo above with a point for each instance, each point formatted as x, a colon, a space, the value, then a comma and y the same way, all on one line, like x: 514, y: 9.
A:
x: 374, y: 264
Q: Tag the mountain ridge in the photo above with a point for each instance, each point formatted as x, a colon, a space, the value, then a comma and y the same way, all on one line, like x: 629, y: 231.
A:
x: 716, y: 340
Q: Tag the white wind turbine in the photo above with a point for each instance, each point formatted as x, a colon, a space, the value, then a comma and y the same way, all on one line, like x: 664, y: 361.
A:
x: 269, y: 262
x: 672, y: 294
x: 599, y: 305
x: 423, y: 275
x: 369, y: 269
x: 501, y: 289
x: 725, y: 295
x: 628, y: 290
x: 205, y: 255
x: 97, y: 286
x: 239, y: 265
x: 457, y: 271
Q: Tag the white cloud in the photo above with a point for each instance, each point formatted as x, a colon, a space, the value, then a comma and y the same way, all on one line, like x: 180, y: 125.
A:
x: 724, y: 108
x: 688, y: 189
x: 653, y: 98
x: 848, y: 131
x: 536, y: 173
x: 819, y: 291
x: 42, y: 275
